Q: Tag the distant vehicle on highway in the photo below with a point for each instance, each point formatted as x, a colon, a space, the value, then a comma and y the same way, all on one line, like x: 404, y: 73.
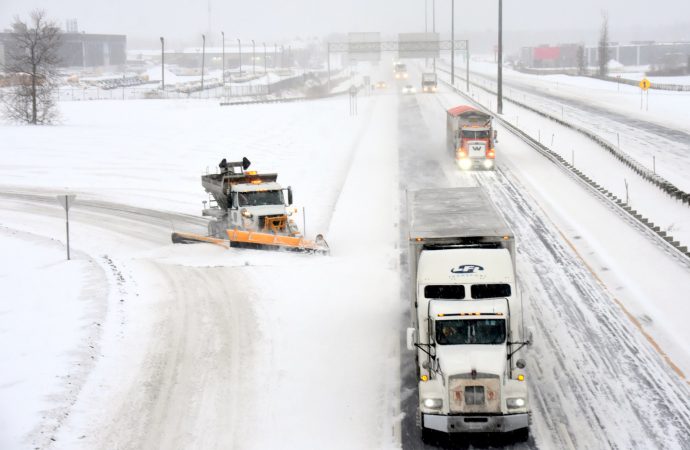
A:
x: 380, y: 85
x: 400, y: 71
x: 409, y: 89
x: 429, y: 82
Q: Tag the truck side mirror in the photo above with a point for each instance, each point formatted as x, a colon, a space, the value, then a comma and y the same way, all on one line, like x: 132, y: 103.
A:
x: 289, y: 195
x: 411, y: 338
x: 495, y: 136
x: 520, y: 363
x: 530, y: 335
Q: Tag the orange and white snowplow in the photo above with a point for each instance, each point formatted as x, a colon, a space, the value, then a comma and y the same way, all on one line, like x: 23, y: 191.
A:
x: 248, y: 210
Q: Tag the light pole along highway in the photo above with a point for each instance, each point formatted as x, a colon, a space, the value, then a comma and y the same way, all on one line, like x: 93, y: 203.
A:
x: 499, y: 90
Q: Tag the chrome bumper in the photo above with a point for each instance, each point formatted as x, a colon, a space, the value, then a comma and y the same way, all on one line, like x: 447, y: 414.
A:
x: 475, y: 423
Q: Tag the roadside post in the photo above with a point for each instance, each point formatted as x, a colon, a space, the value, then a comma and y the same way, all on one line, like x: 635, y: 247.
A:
x: 353, y: 100
x: 66, y: 201
x: 644, y: 87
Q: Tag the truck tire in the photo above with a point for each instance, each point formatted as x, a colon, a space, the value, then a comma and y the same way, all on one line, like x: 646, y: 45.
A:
x: 428, y: 436
x: 521, y: 435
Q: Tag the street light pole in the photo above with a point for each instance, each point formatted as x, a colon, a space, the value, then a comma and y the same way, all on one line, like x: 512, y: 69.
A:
x: 499, y: 100
x: 203, y: 57
x: 239, y: 48
x: 265, y: 70
x: 452, y: 42
x: 433, y: 25
x: 223, y: 34
x: 253, y: 57
x: 162, y: 63
x: 426, y: 20
x: 275, y: 55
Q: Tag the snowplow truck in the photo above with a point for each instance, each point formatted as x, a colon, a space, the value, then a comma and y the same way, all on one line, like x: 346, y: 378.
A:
x: 249, y: 210
x: 471, y: 138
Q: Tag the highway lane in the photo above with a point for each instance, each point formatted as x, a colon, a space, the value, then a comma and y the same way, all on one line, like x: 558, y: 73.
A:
x: 596, y: 381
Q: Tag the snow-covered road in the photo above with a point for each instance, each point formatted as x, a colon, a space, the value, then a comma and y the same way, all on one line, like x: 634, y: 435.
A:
x: 598, y: 379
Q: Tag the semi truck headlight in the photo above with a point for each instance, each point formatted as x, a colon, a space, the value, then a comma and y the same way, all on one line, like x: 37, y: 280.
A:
x: 433, y: 403
x: 465, y: 163
x: 488, y: 164
x: 516, y: 402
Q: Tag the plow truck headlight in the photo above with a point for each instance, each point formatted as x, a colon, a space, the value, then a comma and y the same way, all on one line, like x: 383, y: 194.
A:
x: 433, y: 403
x: 246, y: 213
x: 516, y: 402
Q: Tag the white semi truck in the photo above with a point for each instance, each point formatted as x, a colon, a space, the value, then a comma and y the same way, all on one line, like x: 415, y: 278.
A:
x: 466, y: 315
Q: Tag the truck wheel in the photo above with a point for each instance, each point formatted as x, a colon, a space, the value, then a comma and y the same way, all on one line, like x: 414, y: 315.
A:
x: 428, y: 436
x: 522, y: 435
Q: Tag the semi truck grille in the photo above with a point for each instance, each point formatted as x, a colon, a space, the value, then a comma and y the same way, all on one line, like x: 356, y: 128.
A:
x: 474, y: 395
x: 476, y: 149
x: 478, y: 394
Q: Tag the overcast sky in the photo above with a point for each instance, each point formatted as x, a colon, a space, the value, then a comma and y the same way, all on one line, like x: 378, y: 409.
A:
x: 280, y: 19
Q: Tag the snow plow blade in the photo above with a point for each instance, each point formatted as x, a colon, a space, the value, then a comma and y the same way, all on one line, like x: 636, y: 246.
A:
x: 267, y: 241
x: 258, y: 241
x: 191, y: 238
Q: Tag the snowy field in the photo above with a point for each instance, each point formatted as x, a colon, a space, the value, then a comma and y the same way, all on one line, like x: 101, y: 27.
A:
x: 141, y: 325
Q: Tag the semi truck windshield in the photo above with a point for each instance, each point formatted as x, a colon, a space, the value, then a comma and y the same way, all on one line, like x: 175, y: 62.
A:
x: 471, y: 331
x: 261, y: 198
x: 475, y: 134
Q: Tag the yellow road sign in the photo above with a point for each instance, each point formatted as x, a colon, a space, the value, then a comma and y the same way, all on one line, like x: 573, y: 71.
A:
x: 645, y: 84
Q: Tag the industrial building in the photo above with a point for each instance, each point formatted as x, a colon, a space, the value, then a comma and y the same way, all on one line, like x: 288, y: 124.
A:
x: 81, y: 49
x: 647, y: 53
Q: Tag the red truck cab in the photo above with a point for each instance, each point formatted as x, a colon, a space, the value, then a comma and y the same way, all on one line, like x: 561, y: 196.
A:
x: 471, y: 138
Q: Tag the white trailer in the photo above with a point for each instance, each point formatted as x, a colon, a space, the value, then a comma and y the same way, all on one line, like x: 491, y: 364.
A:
x: 467, y: 327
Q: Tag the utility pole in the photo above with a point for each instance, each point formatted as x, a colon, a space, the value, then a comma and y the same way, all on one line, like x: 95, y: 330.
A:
x: 452, y: 42
x: 253, y: 57
x: 203, y: 57
x: 265, y: 70
x: 433, y: 25
x: 162, y: 63
x: 223, y: 34
x: 467, y: 65
x: 426, y: 20
x: 239, y: 48
x: 499, y: 100
x: 275, y: 55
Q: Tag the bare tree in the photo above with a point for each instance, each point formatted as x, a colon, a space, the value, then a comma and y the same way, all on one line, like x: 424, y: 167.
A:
x: 32, y: 62
x: 604, y: 44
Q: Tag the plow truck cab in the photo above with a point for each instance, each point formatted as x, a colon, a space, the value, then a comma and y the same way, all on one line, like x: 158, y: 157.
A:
x: 247, y: 200
x: 471, y: 138
x: 467, y: 330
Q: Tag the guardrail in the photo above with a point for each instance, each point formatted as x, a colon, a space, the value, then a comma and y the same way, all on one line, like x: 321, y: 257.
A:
x: 659, y: 181
x: 647, y: 225
x: 575, y: 72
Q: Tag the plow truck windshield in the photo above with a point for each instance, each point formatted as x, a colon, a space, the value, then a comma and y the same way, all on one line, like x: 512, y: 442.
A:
x: 260, y: 198
x: 471, y: 331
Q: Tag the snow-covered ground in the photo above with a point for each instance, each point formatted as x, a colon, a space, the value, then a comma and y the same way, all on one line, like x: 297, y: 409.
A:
x: 165, y: 346
x: 199, y: 346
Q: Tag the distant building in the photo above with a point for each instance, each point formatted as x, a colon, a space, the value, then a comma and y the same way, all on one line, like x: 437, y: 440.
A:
x: 81, y: 49
x: 647, y: 53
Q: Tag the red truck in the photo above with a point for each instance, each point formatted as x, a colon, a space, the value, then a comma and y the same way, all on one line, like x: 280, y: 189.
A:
x: 470, y: 137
